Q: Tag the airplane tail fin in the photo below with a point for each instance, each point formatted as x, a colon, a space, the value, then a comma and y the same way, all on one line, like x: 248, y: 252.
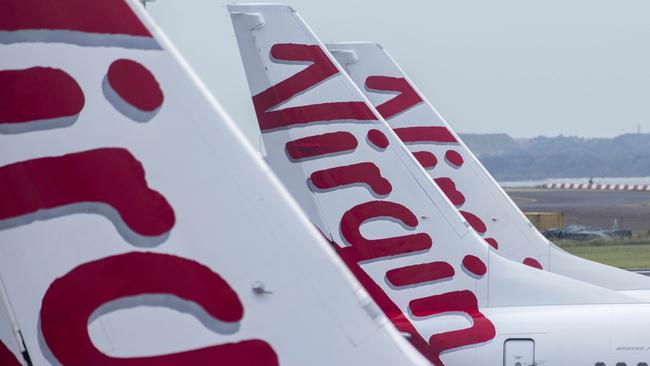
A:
x: 137, y: 225
x: 399, y: 234
x: 10, y: 345
x: 459, y: 173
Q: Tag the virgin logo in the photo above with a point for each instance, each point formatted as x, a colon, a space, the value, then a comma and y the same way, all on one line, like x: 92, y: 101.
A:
x: 425, y: 133
x: 109, y: 182
x: 369, y: 175
x: 92, y: 289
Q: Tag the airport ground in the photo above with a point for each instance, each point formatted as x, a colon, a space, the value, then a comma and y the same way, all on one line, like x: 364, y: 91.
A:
x: 602, y: 209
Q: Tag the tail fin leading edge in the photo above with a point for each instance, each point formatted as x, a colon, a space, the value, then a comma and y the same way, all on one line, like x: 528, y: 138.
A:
x: 137, y: 226
x: 397, y: 232
x: 459, y: 173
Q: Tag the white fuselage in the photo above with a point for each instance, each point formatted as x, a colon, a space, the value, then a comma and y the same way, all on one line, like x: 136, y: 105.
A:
x: 591, y: 335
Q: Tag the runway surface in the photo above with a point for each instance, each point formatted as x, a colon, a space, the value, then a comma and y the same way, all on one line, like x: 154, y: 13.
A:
x: 628, y: 209
x: 548, y: 198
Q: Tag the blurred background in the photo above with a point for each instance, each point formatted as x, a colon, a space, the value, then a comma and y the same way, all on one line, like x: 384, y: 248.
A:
x: 542, y: 92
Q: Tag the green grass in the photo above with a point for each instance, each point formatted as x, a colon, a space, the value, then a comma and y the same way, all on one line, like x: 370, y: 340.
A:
x: 626, y: 253
x: 622, y: 256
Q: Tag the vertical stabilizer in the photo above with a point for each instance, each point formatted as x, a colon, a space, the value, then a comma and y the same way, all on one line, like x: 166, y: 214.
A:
x: 400, y: 235
x: 458, y: 172
x: 137, y: 226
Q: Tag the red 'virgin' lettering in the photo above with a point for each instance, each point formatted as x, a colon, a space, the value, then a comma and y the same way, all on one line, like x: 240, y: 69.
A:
x: 362, y: 173
x: 420, y: 273
x: 406, y: 98
x: 7, y: 357
x: 71, y: 301
x: 97, y: 16
x: 481, y: 330
x: 377, y: 138
x: 426, y: 159
x: 448, y: 187
x: 366, y: 249
x: 425, y: 134
x: 108, y: 181
x: 106, y: 23
x: 384, y: 302
x: 474, y: 221
x: 321, y: 68
x: 135, y: 85
x: 30, y: 98
x: 320, y: 145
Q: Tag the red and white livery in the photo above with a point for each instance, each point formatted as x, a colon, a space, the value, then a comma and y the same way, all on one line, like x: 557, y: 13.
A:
x: 457, y: 300
x: 137, y: 226
x: 459, y: 174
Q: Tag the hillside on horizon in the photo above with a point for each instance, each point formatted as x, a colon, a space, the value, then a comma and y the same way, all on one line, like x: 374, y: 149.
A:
x: 543, y: 157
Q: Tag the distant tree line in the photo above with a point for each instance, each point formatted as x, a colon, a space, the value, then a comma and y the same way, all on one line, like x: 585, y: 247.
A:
x: 561, y: 157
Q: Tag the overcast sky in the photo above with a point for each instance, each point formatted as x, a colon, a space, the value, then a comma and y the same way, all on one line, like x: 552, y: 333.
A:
x: 527, y: 68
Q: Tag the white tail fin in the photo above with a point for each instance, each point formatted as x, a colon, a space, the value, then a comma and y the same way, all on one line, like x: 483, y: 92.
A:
x: 399, y: 234
x: 466, y: 182
x: 138, y: 227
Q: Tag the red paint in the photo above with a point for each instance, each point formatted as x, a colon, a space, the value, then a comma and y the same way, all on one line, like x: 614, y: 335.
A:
x: 111, y: 176
x: 71, y: 300
x: 492, y: 242
x: 453, y: 158
x: 135, y: 84
x: 482, y: 330
x: 365, y: 249
x: 406, y: 98
x: 392, y: 311
x: 38, y: 93
x: 321, y: 68
x: 7, y: 357
x: 533, y: 263
x: 437, y: 134
x: 438, y: 343
x: 378, y: 138
x: 474, y: 221
x: 420, y: 273
x: 319, y: 145
x: 97, y: 16
x: 426, y: 159
x: 475, y: 265
x: 448, y: 187
x: 362, y: 173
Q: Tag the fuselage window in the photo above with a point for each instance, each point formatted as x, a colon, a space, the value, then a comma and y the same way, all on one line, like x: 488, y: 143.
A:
x: 642, y: 364
x: 600, y: 364
x: 621, y: 364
